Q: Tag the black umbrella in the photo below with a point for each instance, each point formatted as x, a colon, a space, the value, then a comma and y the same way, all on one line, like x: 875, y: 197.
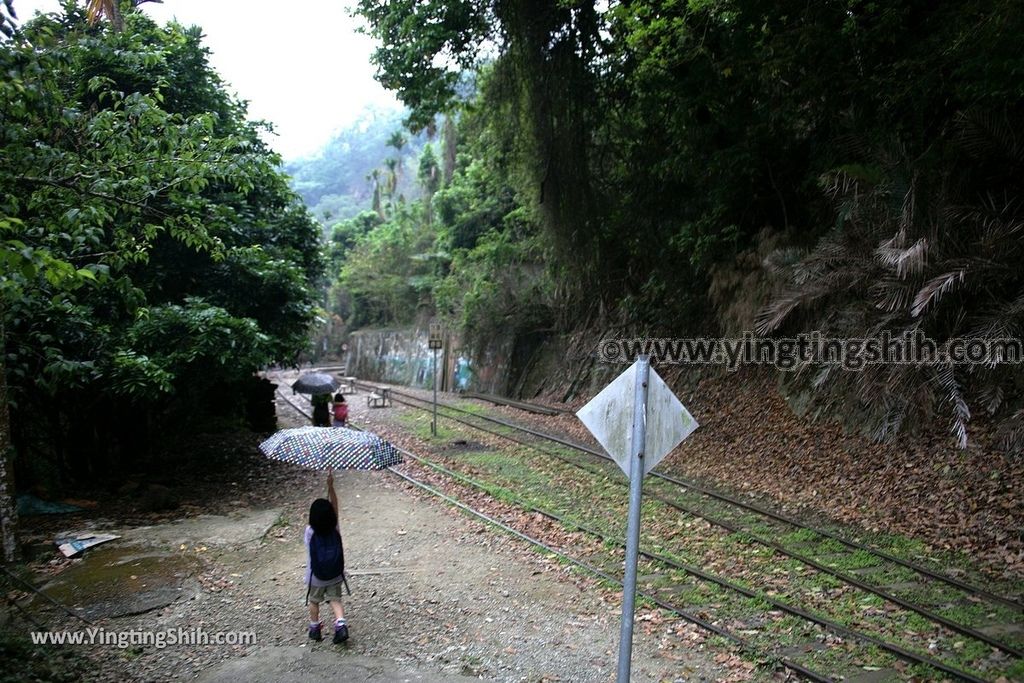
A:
x: 315, y: 383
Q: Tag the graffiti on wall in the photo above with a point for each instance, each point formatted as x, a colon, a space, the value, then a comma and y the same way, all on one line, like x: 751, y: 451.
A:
x: 463, y: 372
x: 403, y: 356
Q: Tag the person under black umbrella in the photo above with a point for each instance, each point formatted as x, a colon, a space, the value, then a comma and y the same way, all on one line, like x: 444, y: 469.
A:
x: 321, y: 410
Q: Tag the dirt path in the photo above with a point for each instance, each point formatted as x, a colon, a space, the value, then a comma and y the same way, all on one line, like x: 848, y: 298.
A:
x: 437, y: 596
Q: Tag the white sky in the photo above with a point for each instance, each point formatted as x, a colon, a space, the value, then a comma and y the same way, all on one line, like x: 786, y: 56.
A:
x: 300, y: 64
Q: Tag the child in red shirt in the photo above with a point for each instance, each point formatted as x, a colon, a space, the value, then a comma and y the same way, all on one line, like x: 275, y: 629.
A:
x: 340, y: 411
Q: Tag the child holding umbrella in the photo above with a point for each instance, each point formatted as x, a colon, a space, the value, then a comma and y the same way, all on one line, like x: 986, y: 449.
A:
x: 325, y: 564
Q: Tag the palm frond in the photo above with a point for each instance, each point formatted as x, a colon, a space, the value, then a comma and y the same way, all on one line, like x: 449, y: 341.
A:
x: 774, y: 315
x: 823, y: 377
x: 961, y: 413
x: 905, y: 261
x: 909, y: 206
x: 986, y: 133
x: 891, y: 422
x: 991, y: 397
x: 94, y: 9
x: 1002, y: 321
x: 932, y: 246
x: 935, y: 289
x: 783, y: 260
x: 1010, y: 435
x: 892, y: 295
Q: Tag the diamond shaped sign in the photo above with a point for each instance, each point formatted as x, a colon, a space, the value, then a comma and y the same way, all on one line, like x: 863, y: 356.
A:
x: 609, y: 417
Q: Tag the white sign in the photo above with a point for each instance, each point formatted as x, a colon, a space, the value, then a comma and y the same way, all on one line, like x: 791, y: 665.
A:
x: 609, y: 417
x: 434, y: 338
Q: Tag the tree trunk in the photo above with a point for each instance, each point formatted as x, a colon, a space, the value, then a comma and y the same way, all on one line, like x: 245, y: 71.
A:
x: 450, y: 148
x: 8, y: 510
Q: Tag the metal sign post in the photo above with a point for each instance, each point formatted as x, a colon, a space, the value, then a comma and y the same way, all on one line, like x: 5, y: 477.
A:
x: 638, y: 420
x: 434, y: 342
x: 636, y: 483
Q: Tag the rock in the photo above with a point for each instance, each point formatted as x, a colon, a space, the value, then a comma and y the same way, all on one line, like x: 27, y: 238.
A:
x: 238, y: 528
x: 157, y: 497
x: 128, y: 488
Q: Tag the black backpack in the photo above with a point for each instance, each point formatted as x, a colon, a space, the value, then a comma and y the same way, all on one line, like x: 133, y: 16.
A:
x: 326, y: 555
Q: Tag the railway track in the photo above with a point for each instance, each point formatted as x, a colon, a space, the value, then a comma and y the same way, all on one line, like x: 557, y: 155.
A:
x: 535, y: 408
x: 738, y: 610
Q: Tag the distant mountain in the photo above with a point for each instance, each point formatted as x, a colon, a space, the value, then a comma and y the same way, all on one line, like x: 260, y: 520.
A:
x: 335, y: 182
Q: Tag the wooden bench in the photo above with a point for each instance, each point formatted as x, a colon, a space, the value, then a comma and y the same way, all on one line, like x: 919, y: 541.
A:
x: 347, y: 385
x: 380, y: 397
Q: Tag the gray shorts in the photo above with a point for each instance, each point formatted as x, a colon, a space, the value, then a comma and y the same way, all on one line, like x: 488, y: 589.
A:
x: 330, y: 593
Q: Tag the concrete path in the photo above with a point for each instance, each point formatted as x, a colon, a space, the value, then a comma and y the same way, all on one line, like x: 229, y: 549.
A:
x: 317, y: 663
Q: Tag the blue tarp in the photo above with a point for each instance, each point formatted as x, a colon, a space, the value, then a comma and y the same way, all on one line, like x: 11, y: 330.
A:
x: 30, y: 505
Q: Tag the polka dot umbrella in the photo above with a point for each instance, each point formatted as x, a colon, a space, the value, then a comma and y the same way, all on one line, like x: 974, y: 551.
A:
x: 331, y: 448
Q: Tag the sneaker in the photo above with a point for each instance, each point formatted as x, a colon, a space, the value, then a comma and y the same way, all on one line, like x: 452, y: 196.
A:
x: 316, y: 632
x: 340, y: 633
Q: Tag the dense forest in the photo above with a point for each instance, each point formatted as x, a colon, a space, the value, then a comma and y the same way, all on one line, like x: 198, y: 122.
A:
x: 708, y: 167
x: 154, y: 256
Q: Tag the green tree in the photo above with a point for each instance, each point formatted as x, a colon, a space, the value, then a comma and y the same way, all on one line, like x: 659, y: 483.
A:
x: 429, y: 176
x: 129, y: 169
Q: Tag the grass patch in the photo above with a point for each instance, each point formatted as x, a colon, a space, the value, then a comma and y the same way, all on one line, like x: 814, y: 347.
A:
x: 1016, y: 672
x: 825, y: 581
x: 858, y: 559
x: 872, y: 600
x: 829, y: 546
x: 844, y: 662
x: 740, y: 538
x: 935, y: 594
x: 918, y: 624
x: 976, y: 614
x: 972, y: 651
x: 902, y: 546
x: 800, y: 536
x: 890, y: 576
x: 758, y: 604
x: 419, y: 424
x: 470, y: 407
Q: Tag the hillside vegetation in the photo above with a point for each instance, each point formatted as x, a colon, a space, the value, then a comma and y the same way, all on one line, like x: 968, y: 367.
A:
x: 704, y: 168
x: 341, y: 180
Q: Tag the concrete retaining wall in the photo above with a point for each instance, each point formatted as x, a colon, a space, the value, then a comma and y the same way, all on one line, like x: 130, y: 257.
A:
x: 402, y: 356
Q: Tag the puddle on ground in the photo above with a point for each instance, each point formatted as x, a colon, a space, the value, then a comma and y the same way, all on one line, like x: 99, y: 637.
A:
x: 119, y: 581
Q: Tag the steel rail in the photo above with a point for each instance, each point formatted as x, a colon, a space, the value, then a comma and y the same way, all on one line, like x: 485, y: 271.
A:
x: 537, y: 408
x: 834, y: 626
x: 925, y: 571
x: 688, y: 616
x: 906, y: 604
